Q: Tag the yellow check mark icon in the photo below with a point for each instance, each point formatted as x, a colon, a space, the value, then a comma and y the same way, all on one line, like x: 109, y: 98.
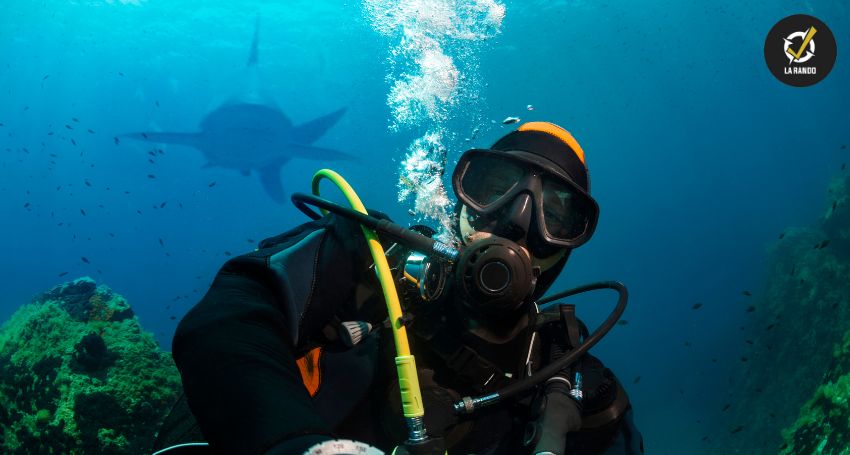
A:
x: 809, y: 35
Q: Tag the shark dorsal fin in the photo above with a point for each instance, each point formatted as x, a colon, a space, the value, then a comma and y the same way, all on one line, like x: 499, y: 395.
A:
x: 252, y: 57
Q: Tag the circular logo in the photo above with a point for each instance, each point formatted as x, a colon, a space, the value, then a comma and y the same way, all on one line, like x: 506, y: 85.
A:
x: 800, y: 50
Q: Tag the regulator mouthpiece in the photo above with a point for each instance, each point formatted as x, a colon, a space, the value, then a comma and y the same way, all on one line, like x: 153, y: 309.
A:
x: 494, y: 276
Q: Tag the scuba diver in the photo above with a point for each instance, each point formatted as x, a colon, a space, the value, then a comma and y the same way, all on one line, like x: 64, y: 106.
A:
x: 291, y: 349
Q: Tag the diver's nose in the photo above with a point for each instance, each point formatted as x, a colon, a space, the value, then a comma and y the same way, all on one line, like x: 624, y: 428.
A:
x: 517, y: 219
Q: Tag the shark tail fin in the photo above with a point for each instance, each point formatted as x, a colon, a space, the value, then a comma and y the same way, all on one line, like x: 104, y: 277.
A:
x: 270, y: 178
x: 252, y: 57
x: 309, y: 132
x: 188, y: 139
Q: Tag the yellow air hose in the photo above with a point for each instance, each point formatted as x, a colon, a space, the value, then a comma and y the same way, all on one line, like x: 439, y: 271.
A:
x: 411, y: 397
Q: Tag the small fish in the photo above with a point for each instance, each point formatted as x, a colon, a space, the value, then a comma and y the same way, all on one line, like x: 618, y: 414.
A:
x: 751, y: 308
x: 725, y: 407
x: 622, y: 322
x: 112, y: 235
x: 227, y: 253
x: 770, y: 326
x: 87, y: 182
x: 747, y: 293
x: 83, y: 212
x: 509, y: 120
x: 161, y: 243
x: 85, y: 259
x: 120, y: 73
x: 637, y: 379
x: 697, y: 306
x: 139, y: 212
x: 115, y: 139
x: 26, y: 205
x: 687, y: 344
x: 45, y: 77
x: 249, y: 240
x: 749, y: 341
x: 744, y: 359
x: 73, y: 142
x: 834, y: 205
x: 781, y: 236
x: 529, y: 107
x: 75, y: 119
x: 157, y: 103
x: 151, y: 153
x: 144, y: 135
x: 63, y: 274
x: 212, y: 184
x: 162, y: 205
x: 843, y: 146
x: 173, y: 317
x: 843, y: 165
x: 736, y: 429
x: 824, y: 244
x: 150, y: 160
x: 69, y: 126
x: 90, y: 131
x: 151, y: 176
x: 411, y: 212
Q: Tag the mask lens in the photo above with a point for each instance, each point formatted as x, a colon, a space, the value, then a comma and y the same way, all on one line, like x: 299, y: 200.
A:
x: 487, y: 178
x: 564, y: 210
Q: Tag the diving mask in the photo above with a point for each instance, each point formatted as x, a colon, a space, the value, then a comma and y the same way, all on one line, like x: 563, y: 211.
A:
x: 488, y: 182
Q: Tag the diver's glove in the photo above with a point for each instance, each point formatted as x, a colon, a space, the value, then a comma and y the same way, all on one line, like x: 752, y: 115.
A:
x: 313, y: 272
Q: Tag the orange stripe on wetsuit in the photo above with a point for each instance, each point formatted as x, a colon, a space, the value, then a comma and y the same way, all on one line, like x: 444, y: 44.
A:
x: 311, y: 373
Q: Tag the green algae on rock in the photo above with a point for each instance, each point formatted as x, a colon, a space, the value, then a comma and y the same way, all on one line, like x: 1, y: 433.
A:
x: 79, y: 375
x: 792, y: 394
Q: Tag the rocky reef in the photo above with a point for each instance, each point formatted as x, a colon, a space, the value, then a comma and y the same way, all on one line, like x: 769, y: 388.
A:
x: 792, y: 395
x: 79, y: 375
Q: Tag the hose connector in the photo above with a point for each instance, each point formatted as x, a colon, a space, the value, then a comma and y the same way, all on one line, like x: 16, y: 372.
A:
x: 468, y: 405
x: 416, y: 429
x: 575, y: 391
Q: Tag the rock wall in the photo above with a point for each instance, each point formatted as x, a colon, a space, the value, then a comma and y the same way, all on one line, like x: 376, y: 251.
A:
x: 791, y: 395
x: 79, y: 375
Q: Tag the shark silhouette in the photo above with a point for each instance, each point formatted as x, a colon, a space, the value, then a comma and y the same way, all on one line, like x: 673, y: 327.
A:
x: 250, y: 133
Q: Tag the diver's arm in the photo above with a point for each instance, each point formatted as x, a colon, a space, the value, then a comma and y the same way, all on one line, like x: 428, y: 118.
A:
x: 236, y: 348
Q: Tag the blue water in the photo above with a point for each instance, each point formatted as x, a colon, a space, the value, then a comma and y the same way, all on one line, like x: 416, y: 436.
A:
x: 699, y: 158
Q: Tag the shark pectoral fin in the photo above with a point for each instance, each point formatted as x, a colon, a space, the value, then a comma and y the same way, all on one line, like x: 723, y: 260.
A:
x: 309, y: 132
x: 311, y: 152
x: 188, y: 139
x: 270, y: 178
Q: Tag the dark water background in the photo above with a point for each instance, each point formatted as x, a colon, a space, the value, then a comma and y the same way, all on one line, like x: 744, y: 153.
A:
x: 699, y: 158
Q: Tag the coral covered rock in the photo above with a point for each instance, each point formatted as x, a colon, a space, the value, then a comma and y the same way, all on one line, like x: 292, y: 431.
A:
x: 79, y: 375
x: 792, y: 395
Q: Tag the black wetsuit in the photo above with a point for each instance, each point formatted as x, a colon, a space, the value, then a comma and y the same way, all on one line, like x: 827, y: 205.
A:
x: 237, y: 348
